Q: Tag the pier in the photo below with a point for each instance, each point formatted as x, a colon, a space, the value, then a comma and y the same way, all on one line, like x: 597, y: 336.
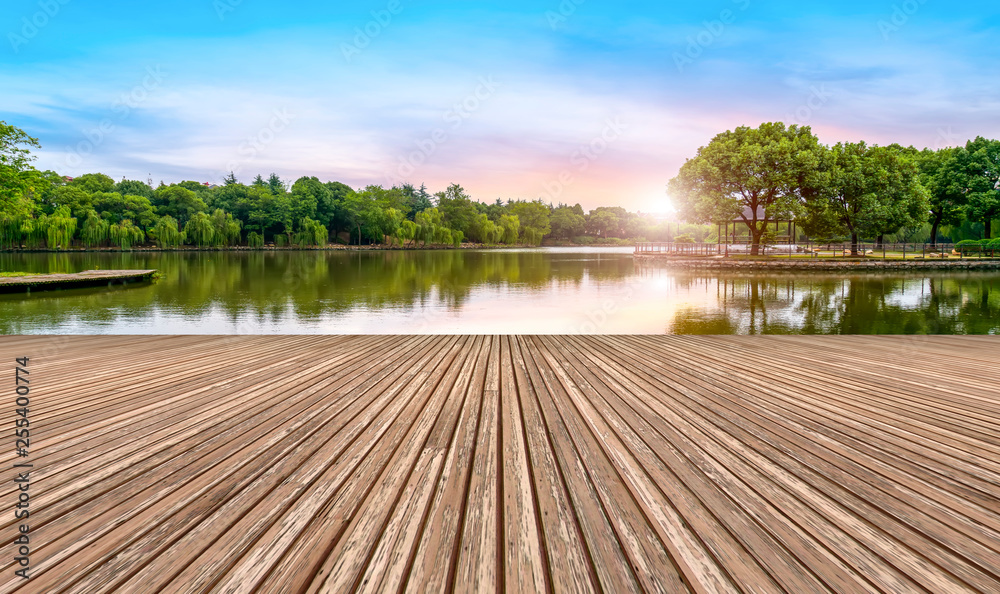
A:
x: 509, y: 463
x: 89, y: 278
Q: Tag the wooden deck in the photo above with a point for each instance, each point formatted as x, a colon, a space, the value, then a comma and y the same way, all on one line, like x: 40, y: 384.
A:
x: 88, y: 278
x: 466, y: 463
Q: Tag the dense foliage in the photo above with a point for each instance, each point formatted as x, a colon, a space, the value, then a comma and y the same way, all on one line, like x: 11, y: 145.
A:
x: 773, y: 172
x: 44, y: 209
x: 850, y: 190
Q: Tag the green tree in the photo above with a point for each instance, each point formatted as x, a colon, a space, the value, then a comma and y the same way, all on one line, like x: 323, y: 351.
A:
x: 177, y: 202
x: 227, y: 229
x: 605, y: 222
x: 417, y: 199
x: 374, y: 212
x: 489, y: 232
x: 79, y: 201
x: 509, y: 227
x: 870, y: 190
x: 332, y: 212
x: 58, y: 227
x: 268, y: 212
x: 311, y: 232
x: 946, y: 191
x: 94, y: 182
x: 200, y: 229
x: 167, y: 234
x: 457, y: 208
x: 566, y: 223
x: 429, y: 224
x: 741, y: 174
x: 277, y: 186
x: 116, y: 208
x: 18, y: 179
x: 125, y: 234
x: 133, y: 187
x: 979, y: 167
x: 534, y: 220
x: 95, y: 229
x: 308, y: 193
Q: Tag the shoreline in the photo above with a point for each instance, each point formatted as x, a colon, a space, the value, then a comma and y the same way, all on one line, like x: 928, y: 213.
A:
x: 822, y: 266
x: 326, y: 248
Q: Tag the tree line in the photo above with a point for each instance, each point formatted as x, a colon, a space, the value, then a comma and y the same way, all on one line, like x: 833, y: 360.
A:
x: 848, y: 190
x: 44, y: 209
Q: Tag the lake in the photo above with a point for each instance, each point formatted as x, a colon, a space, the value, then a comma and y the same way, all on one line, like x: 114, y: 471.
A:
x: 539, y: 291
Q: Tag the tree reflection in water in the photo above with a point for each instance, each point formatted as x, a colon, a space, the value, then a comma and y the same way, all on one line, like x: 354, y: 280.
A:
x: 956, y: 303
x: 524, y: 291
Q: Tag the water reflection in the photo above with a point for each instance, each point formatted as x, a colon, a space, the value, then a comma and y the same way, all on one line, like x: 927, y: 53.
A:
x: 501, y: 291
x: 957, y: 303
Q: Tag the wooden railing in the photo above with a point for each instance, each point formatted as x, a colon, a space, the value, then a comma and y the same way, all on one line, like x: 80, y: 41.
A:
x: 885, y: 250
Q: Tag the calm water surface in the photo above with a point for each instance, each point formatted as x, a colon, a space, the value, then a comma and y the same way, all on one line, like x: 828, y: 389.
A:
x: 543, y: 291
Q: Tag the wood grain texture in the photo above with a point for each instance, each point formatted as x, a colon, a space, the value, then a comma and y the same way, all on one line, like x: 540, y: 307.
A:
x: 510, y: 463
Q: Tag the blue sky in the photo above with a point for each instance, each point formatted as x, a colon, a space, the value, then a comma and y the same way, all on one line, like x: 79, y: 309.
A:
x: 583, y: 101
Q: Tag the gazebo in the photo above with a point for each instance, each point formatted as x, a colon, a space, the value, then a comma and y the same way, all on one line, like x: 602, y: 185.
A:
x: 788, y: 237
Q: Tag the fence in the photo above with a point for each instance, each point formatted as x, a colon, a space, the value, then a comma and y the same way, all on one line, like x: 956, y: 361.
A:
x: 811, y: 249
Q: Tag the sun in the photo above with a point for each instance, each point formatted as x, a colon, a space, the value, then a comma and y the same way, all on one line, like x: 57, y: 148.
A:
x: 660, y: 205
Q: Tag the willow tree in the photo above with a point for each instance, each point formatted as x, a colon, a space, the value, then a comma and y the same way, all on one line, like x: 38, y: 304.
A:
x: 748, y: 172
x: 94, y: 230
x: 407, y: 232
x: 509, y: 226
x: 59, y: 228
x: 311, y: 233
x: 490, y: 232
x: 125, y: 234
x: 429, y: 224
x: 167, y: 233
x: 227, y: 229
x: 200, y: 229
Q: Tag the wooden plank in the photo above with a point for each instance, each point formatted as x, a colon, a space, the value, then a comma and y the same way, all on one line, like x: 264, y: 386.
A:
x: 584, y: 464
x: 523, y: 551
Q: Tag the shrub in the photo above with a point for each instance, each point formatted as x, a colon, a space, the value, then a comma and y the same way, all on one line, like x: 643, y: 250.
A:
x: 685, y: 238
x: 280, y: 240
x: 255, y: 240
x: 993, y: 247
x: 968, y: 246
